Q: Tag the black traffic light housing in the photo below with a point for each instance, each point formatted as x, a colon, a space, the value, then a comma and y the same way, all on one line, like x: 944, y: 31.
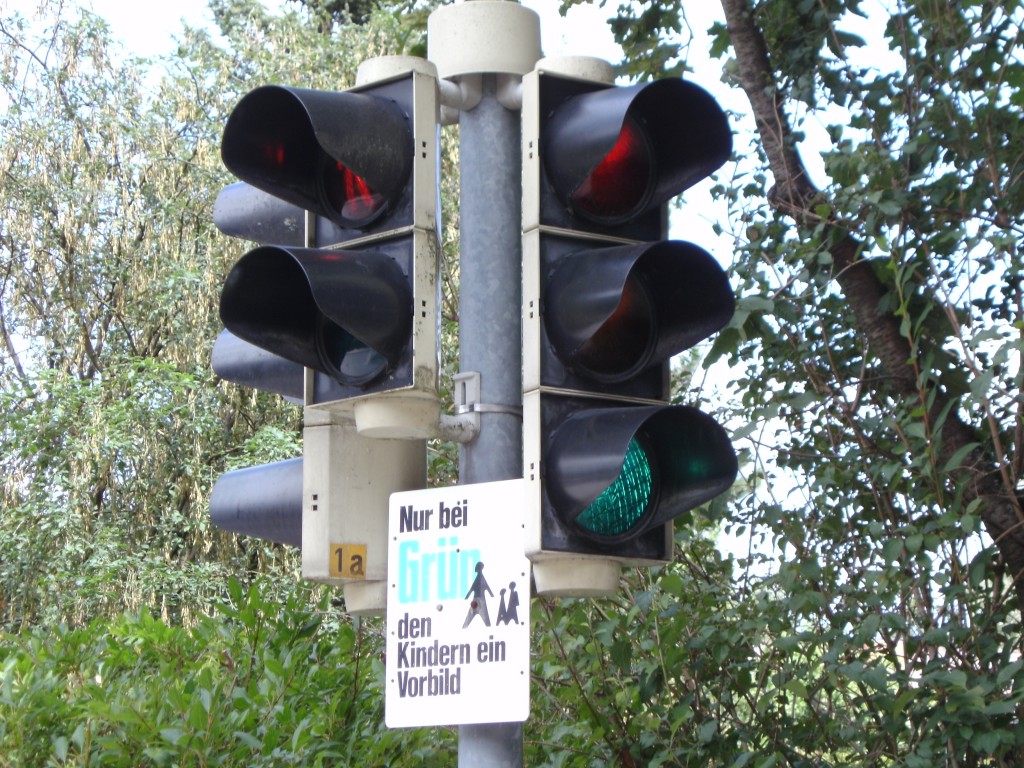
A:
x: 606, y: 303
x: 613, y: 314
x: 264, y: 502
x: 346, y: 314
x: 336, y: 309
x: 341, y: 190
x: 621, y: 155
x: 344, y: 155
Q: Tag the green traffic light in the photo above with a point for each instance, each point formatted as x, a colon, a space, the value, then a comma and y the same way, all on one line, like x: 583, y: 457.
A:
x: 624, y: 503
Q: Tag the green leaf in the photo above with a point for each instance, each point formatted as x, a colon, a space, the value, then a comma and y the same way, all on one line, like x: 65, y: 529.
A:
x: 1009, y: 671
x: 707, y: 730
x: 957, y: 459
x: 797, y: 688
x: 172, y: 735
x: 249, y: 740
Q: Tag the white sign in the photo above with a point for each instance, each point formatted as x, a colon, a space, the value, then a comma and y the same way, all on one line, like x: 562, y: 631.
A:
x: 458, y: 619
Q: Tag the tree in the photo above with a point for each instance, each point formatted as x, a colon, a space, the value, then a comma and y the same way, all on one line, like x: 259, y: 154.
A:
x: 876, y: 357
x: 104, y: 266
x: 115, y: 427
x: 944, y: 212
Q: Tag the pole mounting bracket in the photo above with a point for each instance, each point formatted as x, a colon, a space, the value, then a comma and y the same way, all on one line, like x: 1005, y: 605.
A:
x: 464, y: 425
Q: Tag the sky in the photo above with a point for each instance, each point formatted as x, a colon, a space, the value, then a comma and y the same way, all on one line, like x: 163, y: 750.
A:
x: 148, y: 29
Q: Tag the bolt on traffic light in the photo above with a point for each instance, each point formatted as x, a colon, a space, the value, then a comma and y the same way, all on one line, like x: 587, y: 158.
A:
x: 606, y: 303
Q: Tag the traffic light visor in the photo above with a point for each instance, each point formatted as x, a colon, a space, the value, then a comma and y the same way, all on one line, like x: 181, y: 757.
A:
x: 615, y: 153
x: 613, y: 312
x: 264, y: 501
x: 345, y: 314
x: 346, y: 156
x: 615, y: 473
x: 243, y: 363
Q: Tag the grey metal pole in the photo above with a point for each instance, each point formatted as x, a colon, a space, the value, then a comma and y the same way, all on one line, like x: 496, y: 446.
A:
x: 490, y: 336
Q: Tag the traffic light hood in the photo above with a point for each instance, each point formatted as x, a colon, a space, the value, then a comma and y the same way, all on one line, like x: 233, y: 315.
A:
x: 347, y: 314
x: 612, y: 154
x: 685, y: 454
x: 264, y: 501
x: 346, y: 156
x: 612, y: 312
x: 242, y: 210
x: 238, y: 361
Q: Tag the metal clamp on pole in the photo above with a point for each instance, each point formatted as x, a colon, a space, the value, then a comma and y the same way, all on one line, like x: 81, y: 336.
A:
x: 464, y: 425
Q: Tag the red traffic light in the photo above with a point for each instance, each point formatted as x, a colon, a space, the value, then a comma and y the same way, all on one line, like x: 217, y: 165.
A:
x: 321, y: 150
x: 612, y: 154
x: 351, y: 195
x: 621, y: 182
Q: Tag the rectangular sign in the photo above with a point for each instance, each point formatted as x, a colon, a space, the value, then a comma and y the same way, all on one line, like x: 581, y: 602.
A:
x: 458, y: 615
x: 347, y: 561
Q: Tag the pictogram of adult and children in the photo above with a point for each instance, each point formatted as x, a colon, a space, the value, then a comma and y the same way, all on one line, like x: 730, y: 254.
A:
x: 508, y: 609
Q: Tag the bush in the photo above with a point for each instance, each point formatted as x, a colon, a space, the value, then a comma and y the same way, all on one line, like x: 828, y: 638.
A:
x: 262, y: 683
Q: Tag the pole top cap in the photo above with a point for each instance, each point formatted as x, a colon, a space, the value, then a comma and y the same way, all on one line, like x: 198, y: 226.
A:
x: 382, y: 68
x: 483, y: 36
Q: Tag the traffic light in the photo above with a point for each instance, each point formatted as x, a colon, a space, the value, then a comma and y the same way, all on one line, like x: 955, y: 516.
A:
x: 344, y: 187
x: 347, y: 482
x: 336, y: 310
x: 264, y: 502
x: 332, y: 503
x: 606, y: 303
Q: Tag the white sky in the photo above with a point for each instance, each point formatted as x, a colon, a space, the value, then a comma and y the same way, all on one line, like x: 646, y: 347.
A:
x: 148, y: 29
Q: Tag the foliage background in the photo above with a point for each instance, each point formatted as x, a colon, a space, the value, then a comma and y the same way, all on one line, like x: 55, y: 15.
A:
x: 875, y: 618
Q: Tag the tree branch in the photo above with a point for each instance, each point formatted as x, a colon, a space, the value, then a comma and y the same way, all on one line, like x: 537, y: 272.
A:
x: 795, y: 195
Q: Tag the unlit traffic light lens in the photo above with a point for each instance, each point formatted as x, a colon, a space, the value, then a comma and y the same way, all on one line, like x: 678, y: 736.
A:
x: 346, y: 358
x: 623, y: 344
x: 621, y: 184
x: 624, y: 503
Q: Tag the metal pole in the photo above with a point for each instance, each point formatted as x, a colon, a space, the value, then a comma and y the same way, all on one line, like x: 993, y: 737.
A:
x: 490, y: 336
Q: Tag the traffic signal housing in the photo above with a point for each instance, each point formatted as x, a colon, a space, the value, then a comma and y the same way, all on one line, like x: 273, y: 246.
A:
x: 263, y: 502
x: 347, y: 483
x: 336, y: 310
x: 606, y: 303
x: 354, y: 301
x: 331, y: 502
